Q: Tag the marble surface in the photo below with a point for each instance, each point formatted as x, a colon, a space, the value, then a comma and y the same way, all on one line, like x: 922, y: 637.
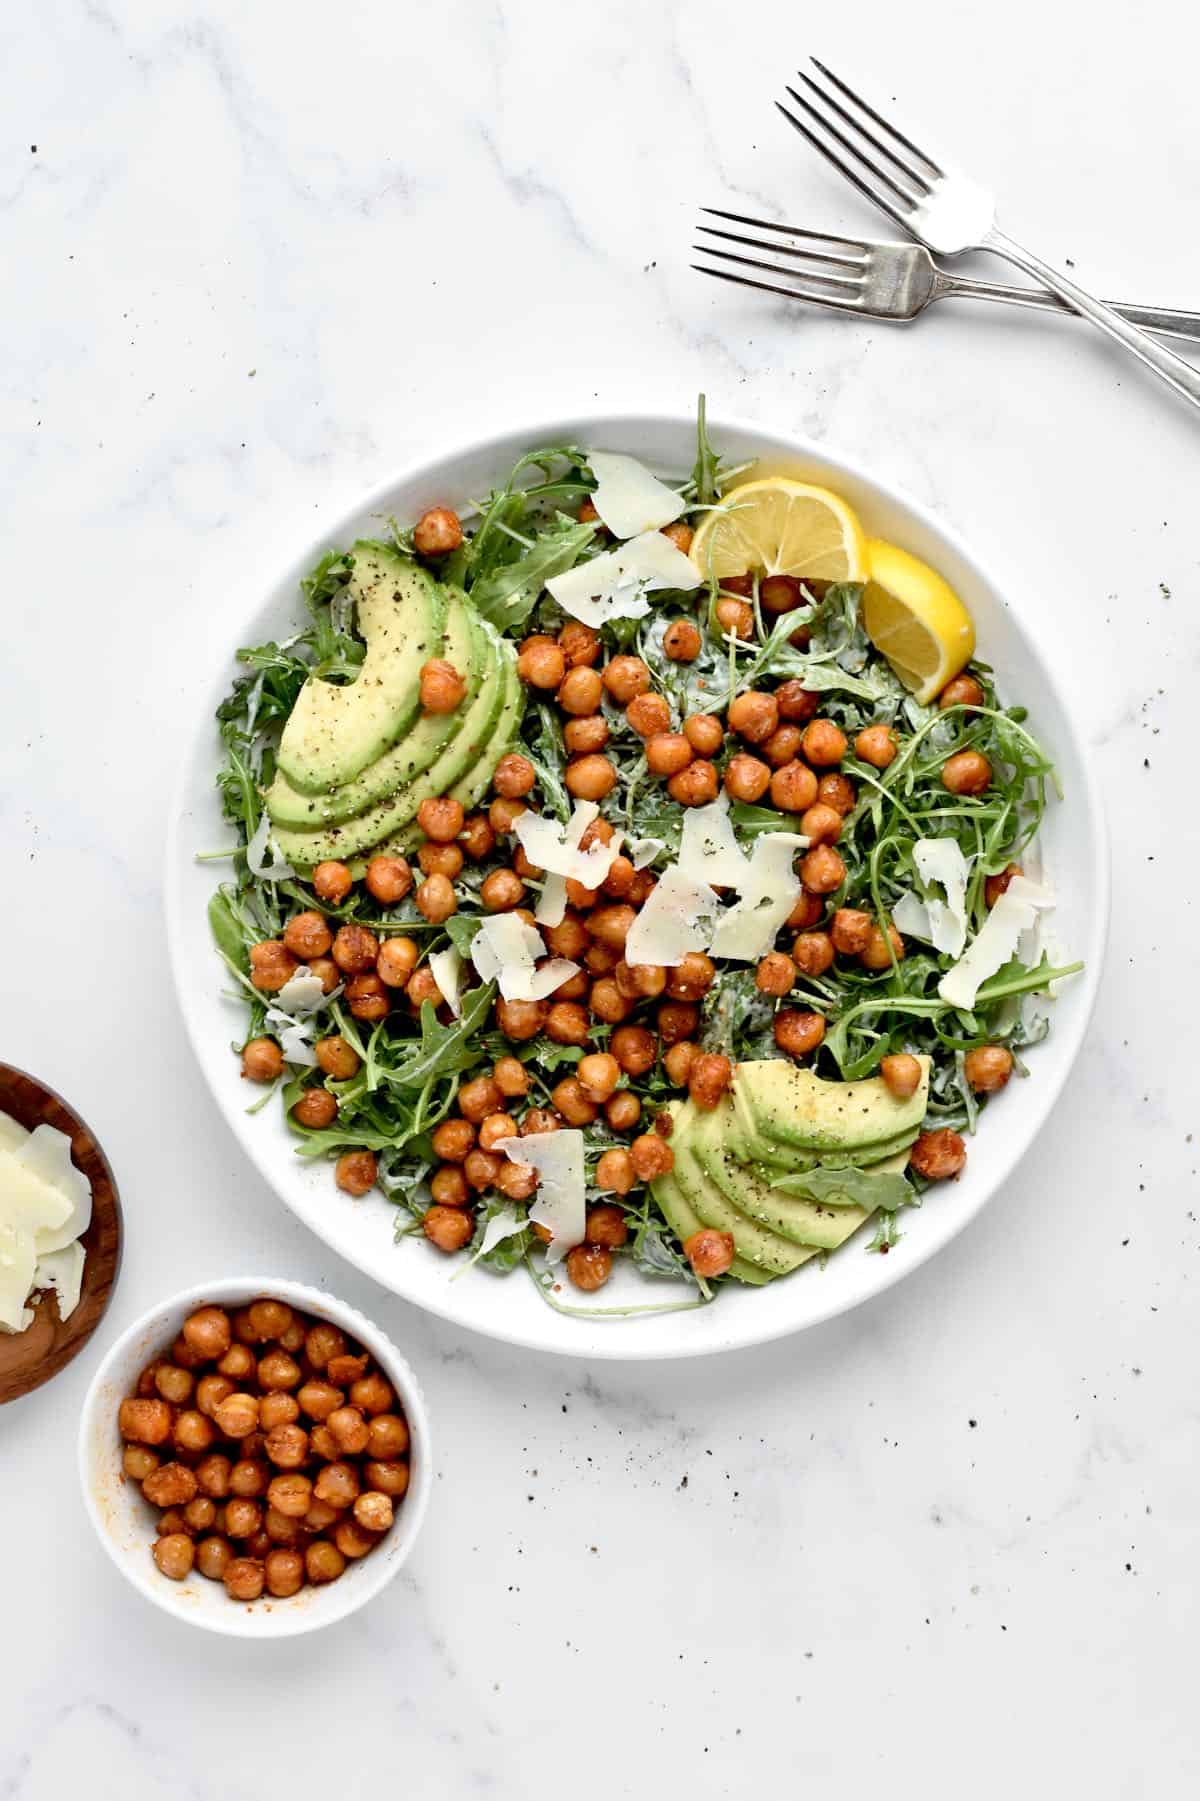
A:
x: 256, y: 256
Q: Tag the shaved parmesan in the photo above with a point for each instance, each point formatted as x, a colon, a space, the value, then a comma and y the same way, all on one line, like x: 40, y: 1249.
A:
x: 46, y: 1152
x: 628, y: 498
x: 643, y: 851
x: 678, y: 917
x: 506, y: 949
x: 767, y: 893
x: 996, y: 941
x: 63, y: 1272
x: 446, y: 967
x: 560, y: 1204
x: 551, y: 909
x: 267, y: 867
x: 615, y: 584
x: 505, y: 1224
x: 12, y: 1133
x: 28, y: 1202
x: 302, y: 994
x: 708, y: 849
x: 554, y: 847
x: 940, y: 923
x: 17, y: 1262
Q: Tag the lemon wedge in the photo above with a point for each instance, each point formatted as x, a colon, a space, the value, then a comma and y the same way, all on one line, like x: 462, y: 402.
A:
x: 916, y: 619
x: 782, y: 527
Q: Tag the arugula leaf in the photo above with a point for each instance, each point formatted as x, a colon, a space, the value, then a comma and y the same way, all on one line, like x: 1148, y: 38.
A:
x: 444, y: 1048
x: 704, y: 470
x: 864, y: 1188
x: 509, y: 592
x: 461, y: 928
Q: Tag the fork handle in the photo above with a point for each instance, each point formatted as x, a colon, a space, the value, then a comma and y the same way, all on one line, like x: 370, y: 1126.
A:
x: 1168, y: 322
x: 1170, y: 368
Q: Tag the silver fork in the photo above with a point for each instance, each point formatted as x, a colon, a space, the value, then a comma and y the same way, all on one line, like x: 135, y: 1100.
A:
x: 946, y: 211
x: 883, y: 281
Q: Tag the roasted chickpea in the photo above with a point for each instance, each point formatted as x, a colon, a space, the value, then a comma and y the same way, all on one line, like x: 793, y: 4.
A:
x: 793, y: 788
x: 580, y: 644
x: 649, y: 715
x: 652, y: 1156
x: 338, y: 1484
x: 175, y: 1555
x: 876, y: 745
x: 678, y: 1060
x: 193, y: 1431
x: 315, y: 1109
x: 988, y: 1068
x: 367, y: 996
x: 822, y: 869
x: 244, y: 1578
x: 823, y: 743
x: 996, y: 885
x: 588, y: 1266
x: 148, y: 1422
x: 350, y: 1429
x: 694, y: 786
x: 901, y: 1074
x: 567, y: 1023
x: 355, y: 1172
x: 709, y: 1253
x: 667, y: 753
x: 691, y: 979
x: 708, y: 1079
x: 705, y: 733
x: 682, y: 641
x: 590, y: 778
x: 449, y: 1228
x: 171, y: 1485
x: 586, y: 735
x: 213, y: 1473
x: 967, y: 772
x: 441, y: 819
x: 335, y: 1057
x: 606, y: 1224
x: 290, y: 1494
x: 571, y: 1100
x: 634, y: 1049
x: 580, y: 691
x: 452, y: 1139
x: 783, y: 746
x: 516, y: 1180
x: 200, y: 1514
x: 961, y: 691
x: 796, y: 703
x: 318, y: 1399
x: 798, y: 1033
x: 272, y: 965
x: 307, y: 935
x: 332, y: 883
x: 879, y: 951
x: 213, y: 1556
x: 323, y: 1342
x: 746, y: 778
x: 735, y: 618
x: 138, y: 1461
x: 681, y: 535
x: 237, y: 1415
x: 625, y: 677
x: 323, y: 1562
x: 502, y: 814
x: 173, y: 1384
x: 373, y: 1511
x: 443, y: 689
x: 448, y: 1186
x: 615, y: 1171
x: 422, y: 987
x: 812, y: 953
x: 388, y: 879
x: 283, y: 1572
x: 780, y: 593
x: 623, y: 1110
x: 387, y: 1436
x: 372, y: 1393
x: 248, y: 1477
x: 513, y: 776
x: 677, y: 1020
x: 806, y: 912
x: 326, y: 972
x: 640, y: 981
x: 477, y: 837
x: 396, y: 962
x: 262, y: 1060
x: 520, y: 1020
x: 753, y: 715
x: 278, y: 1408
x: 822, y: 824
x: 436, y: 899
x: 437, y: 532
x: 237, y: 1363
x: 479, y: 1097
x: 850, y: 931
x: 598, y: 1075
x: 355, y: 949
x: 541, y: 663
x: 938, y: 1155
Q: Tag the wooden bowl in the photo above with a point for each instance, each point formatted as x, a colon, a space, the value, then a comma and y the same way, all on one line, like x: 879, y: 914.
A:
x: 29, y: 1358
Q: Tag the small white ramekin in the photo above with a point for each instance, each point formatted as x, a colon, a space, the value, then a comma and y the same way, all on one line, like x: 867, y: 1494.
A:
x: 125, y: 1524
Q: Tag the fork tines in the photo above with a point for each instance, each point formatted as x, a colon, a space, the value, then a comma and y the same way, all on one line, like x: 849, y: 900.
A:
x: 901, y: 181
x: 831, y: 274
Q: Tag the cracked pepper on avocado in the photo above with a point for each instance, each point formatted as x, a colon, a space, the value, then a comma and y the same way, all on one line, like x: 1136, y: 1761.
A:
x: 633, y: 869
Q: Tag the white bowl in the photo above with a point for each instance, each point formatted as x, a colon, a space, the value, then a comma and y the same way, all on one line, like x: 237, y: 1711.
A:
x: 125, y: 1524
x: 1073, y: 843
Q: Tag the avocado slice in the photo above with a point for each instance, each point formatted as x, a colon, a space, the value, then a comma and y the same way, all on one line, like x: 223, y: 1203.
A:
x: 746, y: 1189
x: 387, y: 817
x: 749, y: 1145
x: 796, y: 1108
x: 466, y: 647
x: 683, y: 1221
x: 473, y: 785
x: 334, y: 732
x: 756, y: 1243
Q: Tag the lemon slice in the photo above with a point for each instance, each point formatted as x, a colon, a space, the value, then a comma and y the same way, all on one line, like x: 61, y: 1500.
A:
x: 916, y: 619
x: 782, y: 527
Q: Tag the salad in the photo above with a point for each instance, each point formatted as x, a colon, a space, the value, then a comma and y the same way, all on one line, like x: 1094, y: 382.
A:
x: 633, y: 871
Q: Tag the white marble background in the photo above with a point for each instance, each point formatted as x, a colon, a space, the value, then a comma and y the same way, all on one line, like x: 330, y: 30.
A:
x: 255, y: 255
